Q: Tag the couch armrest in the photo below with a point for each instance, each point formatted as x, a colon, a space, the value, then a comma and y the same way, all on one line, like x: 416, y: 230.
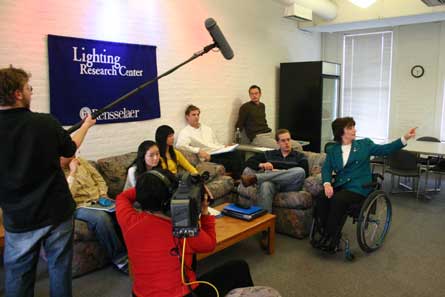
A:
x: 191, y: 157
x: 213, y: 169
x: 315, y: 161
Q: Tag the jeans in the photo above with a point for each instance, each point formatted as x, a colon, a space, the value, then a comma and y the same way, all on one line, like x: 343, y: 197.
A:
x: 271, y: 182
x: 102, y: 224
x: 22, y: 254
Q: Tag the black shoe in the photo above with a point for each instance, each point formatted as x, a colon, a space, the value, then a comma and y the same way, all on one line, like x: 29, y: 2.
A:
x: 248, y: 180
x: 122, y: 265
x: 330, y: 245
x: 318, y: 240
x: 122, y: 269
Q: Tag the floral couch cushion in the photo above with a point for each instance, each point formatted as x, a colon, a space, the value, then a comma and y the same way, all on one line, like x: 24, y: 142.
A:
x: 114, y: 171
x: 88, y: 254
x: 256, y: 291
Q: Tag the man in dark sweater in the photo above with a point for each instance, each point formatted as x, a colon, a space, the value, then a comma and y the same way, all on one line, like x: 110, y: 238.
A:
x: 252, y: 120
x: 34, y: 195
x: 282, y: 170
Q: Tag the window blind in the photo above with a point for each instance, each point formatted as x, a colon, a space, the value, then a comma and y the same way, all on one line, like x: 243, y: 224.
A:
x: 366, y: 82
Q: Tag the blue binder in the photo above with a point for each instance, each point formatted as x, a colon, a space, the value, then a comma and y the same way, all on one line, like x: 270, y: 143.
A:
x: 248, y: 211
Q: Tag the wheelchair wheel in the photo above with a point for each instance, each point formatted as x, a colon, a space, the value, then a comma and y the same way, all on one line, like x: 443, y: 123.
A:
x: 374, y: 221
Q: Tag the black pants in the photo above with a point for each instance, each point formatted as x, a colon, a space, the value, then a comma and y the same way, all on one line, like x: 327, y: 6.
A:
x: 331, y: 212
x: 232, y: 162
x: 230, y: 275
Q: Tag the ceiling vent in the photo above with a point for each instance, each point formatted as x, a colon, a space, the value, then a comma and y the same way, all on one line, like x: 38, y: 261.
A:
x: 298, y: 13
x: 433, y: 2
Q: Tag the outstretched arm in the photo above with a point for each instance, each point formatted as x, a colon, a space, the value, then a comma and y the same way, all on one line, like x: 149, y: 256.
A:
x: 387, y: 149
x: 82, y: 132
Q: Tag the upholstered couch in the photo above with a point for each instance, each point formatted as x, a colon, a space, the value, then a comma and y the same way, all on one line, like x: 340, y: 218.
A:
x: 257, y: 291
x: 88, y: 254
x: 293, y: 209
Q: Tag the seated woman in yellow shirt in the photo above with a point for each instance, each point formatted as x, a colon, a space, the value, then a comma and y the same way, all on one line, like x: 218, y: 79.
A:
x: 171, y: 158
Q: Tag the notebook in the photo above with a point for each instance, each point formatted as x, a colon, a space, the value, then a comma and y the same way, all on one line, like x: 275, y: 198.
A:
x: 248, y: 211
x: 245, y: 217
x: 103, y: 203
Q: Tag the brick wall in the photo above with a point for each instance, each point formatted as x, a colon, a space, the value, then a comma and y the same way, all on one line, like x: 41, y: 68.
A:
x: 260, y: 37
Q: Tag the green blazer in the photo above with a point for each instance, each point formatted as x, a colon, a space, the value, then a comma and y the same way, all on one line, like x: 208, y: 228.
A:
x: 357, y: 171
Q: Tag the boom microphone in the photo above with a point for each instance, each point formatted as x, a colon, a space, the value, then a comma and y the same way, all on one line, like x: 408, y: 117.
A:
x: 219, y: 38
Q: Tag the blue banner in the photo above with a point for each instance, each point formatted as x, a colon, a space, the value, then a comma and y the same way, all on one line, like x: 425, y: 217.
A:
x: 86, y: 75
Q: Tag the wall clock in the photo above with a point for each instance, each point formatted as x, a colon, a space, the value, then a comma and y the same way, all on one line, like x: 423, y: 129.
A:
x: 417, y: 71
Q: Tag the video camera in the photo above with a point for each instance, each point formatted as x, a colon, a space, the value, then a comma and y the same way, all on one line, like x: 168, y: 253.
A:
x: 185, y: 204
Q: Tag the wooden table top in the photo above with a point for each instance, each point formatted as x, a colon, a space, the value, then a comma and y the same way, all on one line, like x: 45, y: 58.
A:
x: 227, y: 227
x: 231, y: 230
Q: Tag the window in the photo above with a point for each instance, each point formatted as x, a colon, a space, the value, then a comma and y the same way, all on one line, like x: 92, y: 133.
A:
x: 366, y: 82
x: 442, y: 129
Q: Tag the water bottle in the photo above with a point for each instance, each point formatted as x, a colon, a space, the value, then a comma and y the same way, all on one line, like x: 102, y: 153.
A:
x: 237, y: 135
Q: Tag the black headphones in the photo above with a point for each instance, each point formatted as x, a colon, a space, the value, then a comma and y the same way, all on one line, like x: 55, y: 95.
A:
x: 170, y: 187
x: 165, y: 180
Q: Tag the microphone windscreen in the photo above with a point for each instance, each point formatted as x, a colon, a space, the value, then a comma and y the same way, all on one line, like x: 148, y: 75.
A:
x: 219, y: 38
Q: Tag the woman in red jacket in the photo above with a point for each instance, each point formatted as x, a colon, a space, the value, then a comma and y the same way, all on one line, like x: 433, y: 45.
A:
x: 155, y: 254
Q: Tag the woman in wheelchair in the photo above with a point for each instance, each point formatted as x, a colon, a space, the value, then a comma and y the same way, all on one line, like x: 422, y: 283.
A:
x: 345, y: 171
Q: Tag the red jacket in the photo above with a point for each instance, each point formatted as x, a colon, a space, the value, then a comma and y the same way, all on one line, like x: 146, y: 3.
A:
x: 150, y: 242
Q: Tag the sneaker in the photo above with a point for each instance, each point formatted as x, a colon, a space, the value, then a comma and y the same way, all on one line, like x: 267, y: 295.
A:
x: 122, y: 268
x: 122, y: 265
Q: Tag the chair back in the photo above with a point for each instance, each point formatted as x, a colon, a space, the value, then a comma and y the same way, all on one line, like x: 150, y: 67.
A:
x: 403, y: 160
x: 328, y: 144
x: 428, y: 138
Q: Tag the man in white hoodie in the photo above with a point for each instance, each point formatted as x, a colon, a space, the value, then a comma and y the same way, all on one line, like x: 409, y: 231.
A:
x: 200, y: 139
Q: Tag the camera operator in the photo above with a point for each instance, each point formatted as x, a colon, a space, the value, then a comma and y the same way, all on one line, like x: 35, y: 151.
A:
x: 155, y: 255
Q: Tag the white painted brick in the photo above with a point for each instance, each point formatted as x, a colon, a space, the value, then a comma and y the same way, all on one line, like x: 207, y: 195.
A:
x: 258, y: 34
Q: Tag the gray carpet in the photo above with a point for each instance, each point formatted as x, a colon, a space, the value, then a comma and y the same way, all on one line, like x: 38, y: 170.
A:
x: 411, y: 262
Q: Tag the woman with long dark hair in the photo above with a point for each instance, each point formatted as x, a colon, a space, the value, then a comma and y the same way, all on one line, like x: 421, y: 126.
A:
x: 171, y: 158
x: 154, y: 252
x: 147, y: 159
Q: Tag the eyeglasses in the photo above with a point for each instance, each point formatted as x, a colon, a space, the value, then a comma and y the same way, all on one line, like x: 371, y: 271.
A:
x: 28, y: 88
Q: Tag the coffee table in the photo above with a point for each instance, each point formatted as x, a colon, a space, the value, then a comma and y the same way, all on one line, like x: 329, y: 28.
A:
x: 230, y: 231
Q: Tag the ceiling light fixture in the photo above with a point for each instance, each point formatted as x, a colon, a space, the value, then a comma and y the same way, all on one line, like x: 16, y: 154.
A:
x: 363, y: 3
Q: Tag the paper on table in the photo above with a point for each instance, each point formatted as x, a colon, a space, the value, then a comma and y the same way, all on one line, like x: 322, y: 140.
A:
x: 214, y: 212
x: 225, y: 149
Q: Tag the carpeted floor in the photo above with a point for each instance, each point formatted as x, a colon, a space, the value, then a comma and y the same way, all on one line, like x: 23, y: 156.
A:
x: 411, y: 262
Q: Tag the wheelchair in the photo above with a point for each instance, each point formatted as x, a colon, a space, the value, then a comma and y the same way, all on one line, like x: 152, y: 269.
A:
x: 373, y: 218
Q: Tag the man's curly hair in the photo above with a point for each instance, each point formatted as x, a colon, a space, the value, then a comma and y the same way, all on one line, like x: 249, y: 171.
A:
x: 11, y: 80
